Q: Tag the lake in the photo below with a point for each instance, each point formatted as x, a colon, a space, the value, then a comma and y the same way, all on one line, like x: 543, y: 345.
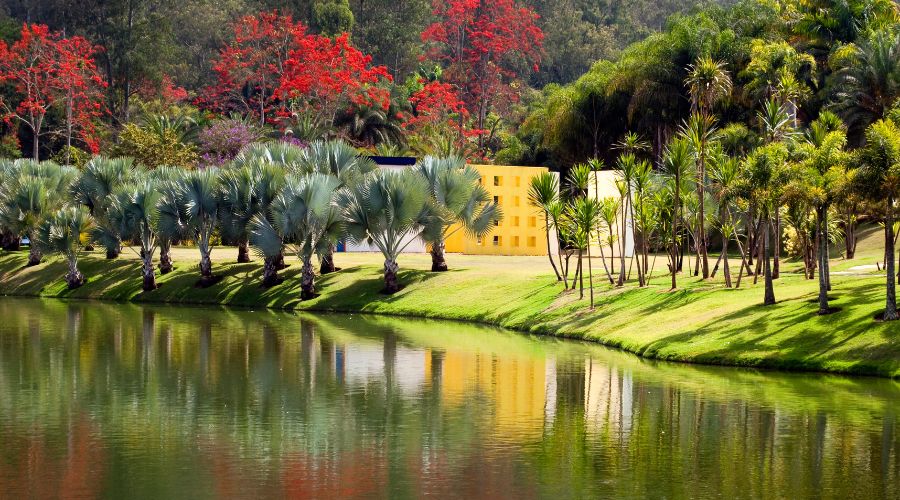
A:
x: 128, y: 401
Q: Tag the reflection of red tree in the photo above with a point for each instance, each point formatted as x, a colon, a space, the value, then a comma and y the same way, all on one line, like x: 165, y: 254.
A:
x: 360, y: 474
x: 38, y: 470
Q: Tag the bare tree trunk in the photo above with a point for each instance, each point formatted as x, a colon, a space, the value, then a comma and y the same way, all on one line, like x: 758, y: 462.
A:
x: 391, y: 268
x: 439, y: 263
x: 165, y: 257
x: 113, y: 253
x: 34, y: 252
x: 74, y: 278
x: 823, y: 255
x: 148, y: 273
x: 770, y: 289
x: 307, y: 280
x: 890, y: 309
x: 776, y: 271
x: 605, y: 267
x: 243, y: 251
x: 270, y: 272
x: 590, y: 274
x: 549, y: 250
x: 726, y: 270
x: 205, y: 265
x: 327, y: 258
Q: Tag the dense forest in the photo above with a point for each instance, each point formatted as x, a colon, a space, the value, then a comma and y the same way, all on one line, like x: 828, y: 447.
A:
x: 156, y: 55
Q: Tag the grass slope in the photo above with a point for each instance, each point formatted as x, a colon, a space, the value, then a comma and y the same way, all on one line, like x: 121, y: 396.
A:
x: 700, y: 322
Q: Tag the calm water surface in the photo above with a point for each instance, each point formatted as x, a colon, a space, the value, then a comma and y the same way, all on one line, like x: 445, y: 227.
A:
x: 119, y: 401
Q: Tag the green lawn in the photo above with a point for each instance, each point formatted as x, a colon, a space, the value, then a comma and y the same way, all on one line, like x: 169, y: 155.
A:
x: 700, y: 322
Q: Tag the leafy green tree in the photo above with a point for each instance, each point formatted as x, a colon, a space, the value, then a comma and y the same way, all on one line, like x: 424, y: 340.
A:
x: 390, y: 210
x: 879, y: 179
x: 61, y: 233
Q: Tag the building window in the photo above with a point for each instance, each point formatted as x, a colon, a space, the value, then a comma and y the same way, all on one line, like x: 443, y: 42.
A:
x: 515, y: 241
x: 497, y: 241
x: 496, y: 222
x: 497, y: 199
x: 532, y: 241
x: 515, y: 221
x: 532, y: 222
x: 516, y: 201
x: 479, y: 241
x: 518, y: 180
x: 498, y: 181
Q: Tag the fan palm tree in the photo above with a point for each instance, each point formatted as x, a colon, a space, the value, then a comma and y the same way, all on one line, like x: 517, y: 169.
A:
x: 388, y: 209
x: 301, y: 217
x: 238, y: 208
x: 94, y: 188
x: 200, y: 189
x: 879, y: 180
x: 544, y: 191
x: 343, y: 162
x: 141, y: 202
x: 61, y: 233
x: 32, y: 191
x: 171, y: 225
x: 459, y: 202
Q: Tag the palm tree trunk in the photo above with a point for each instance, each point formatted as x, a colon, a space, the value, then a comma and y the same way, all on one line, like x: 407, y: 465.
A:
x: 890, y: 309
x: 549, y: 250
x: 327, y: 261
x: 148, y: 272
x: 307, y: 280
x: 243, y: 251
x: 113, y: 253
x: 725, y: 269
x: 823, y: 255
x: 605, y: 267
x: 776, y: 271
x: 270, y: 272
x: 580, y: 276
x: 438, y: 262
x: 74, y: 278
x: 770, y: 290
x: 205, y: 265
x: 34, y: 252
x: 590, y: 273
x: 391, y: 285
x: 165, y: 257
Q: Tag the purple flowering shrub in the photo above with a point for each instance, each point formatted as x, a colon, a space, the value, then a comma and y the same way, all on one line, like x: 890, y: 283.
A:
x: 223, y: 140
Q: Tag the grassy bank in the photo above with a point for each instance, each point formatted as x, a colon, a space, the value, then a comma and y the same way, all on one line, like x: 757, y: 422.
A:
x: 700, y: 322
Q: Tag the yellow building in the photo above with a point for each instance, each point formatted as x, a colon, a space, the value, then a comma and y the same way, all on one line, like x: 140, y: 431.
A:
x: 522, y: 231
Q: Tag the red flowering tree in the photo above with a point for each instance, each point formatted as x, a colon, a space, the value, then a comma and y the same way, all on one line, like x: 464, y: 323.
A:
x: 324, y: 76
x: 82, y: 91
x: 46, y: 70
x: 439, y: 119
x: 485, y: 45
x: 249, y: 68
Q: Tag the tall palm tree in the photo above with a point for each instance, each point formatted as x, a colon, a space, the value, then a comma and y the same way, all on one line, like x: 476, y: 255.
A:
x: 609, y: 212
x: 544, y: 191
x: 94, y: 188
x: 388, y: 209
x: 459, y: 202
x: 708, y: 83
x: 879, y: 180
x: 238, y: 208
x: 172, y: 208
x: 677, y: 163
x: 61, y: 233
x: 200, y: 189
x: 301, y: 217
x: 585, y: 215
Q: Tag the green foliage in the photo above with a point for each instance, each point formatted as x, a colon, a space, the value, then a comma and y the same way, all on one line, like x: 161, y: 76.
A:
x: 153, y: 147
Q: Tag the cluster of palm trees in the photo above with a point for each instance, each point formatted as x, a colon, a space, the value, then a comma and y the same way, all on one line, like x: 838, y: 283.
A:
x: 277, y: 198
x: 744, y: 186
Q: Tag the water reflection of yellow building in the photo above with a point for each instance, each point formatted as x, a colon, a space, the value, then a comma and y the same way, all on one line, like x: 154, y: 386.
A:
x: 516, y: 387
x: 522, y: 231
